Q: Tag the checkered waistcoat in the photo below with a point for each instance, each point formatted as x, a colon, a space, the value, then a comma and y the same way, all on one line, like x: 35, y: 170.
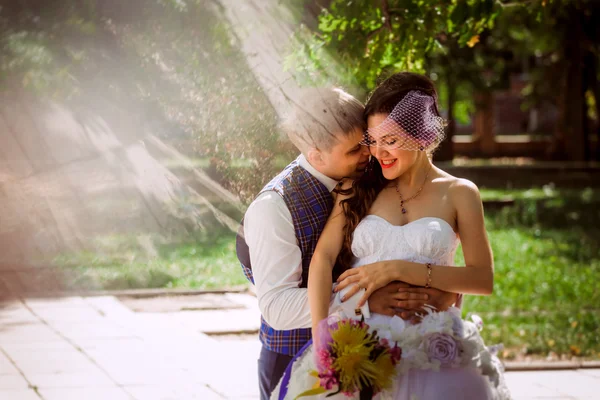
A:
x: 310, y: 204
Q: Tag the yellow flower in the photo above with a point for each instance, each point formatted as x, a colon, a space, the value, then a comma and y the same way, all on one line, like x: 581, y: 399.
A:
x: 355, y: 369
x: 386, y: 371
x: 352, y: 346
x: 473, y: 41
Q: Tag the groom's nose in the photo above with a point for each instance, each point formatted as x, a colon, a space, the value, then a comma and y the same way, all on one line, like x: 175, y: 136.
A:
x: 366, y: 151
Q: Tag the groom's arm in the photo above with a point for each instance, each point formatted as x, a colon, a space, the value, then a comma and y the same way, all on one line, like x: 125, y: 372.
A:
x: 436, y: 298
x: 404, y: 300
x: 276, y: 263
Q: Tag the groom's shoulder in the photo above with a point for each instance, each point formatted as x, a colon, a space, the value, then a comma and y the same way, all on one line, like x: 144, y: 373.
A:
x: 289, y: 171
x: 270, y: 196
x: 268, y: 205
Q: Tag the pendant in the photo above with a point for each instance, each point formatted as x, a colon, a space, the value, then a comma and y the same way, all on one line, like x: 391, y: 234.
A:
x: 403, y: 210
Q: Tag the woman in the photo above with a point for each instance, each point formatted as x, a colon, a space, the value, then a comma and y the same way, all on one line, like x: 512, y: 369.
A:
x: 404, y: 208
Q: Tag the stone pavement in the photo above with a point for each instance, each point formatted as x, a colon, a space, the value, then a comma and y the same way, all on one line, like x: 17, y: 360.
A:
x: 97, y: 348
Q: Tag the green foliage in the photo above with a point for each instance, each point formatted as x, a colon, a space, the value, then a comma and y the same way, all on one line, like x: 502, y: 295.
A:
x: 373, y: 37
x: 218, y: 110
x: 471, y: 46
x: 30, y: 49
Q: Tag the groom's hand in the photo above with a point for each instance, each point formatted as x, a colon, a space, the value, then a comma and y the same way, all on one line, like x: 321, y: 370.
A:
x: 397, y: 295
x: 438, y: 299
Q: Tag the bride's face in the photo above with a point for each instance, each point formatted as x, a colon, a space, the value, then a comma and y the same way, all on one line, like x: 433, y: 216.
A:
x: 394, y: 162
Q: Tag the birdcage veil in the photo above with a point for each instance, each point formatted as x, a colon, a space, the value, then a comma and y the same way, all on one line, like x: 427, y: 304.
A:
x: 412, y: 125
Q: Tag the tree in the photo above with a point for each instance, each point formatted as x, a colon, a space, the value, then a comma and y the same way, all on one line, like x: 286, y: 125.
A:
x: 465, y: 42
x: 373, y: 38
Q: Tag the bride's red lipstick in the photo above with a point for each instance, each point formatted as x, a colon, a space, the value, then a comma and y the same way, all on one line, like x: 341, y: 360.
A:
x: 384, y: 166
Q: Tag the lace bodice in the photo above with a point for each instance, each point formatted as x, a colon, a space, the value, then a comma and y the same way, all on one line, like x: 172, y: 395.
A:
x: 425, y: 240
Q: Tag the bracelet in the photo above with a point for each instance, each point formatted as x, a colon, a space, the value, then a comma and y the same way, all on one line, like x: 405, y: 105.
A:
x: 428, y: 284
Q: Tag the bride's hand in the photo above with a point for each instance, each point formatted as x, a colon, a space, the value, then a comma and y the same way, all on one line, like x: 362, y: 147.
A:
x: 369, y: 277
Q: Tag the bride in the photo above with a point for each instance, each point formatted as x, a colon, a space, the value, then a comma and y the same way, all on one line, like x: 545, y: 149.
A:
x: 402, y: 221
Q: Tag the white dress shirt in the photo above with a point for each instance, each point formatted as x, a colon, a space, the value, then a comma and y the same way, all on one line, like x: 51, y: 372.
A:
x: 276, y: 261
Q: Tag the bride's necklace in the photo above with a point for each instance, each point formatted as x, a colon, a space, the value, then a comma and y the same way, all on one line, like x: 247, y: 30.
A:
x: 403, y: 200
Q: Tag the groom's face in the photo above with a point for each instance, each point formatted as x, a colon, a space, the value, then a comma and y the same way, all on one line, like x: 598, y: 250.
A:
x: 348, y: 158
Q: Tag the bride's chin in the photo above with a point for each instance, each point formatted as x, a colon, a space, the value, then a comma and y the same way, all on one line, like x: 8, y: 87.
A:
x: 390, y: 175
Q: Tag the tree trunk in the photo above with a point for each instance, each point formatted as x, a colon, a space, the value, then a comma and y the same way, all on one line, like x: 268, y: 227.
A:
x: 484, y: 123
x: 592, y: 65
x: 446, y: 150
x: 574, y: 131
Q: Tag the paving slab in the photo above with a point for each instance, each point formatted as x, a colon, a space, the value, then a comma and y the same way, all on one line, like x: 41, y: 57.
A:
x: 591, y: 372
x: 112, y: 393
x: 90, y: 379
x: 570, y: 383
x: 12, y: 382
x: 567, y: 384
x: 87, y: 330
x: 138, y: 374
x: 216, y: 322
x: 83, y: 314
x: 6, y: 366
x: 180, y: 303
x: 111, y: 308
x: 56, y: 302
x: 19, y: 394
x: 37, y: 346
x: 192, y: 392
x: 28, y: 333
x: 52, y: 362
x: 12, y: 313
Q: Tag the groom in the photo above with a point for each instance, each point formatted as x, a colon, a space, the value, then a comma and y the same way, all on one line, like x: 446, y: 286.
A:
x: 281, y: 228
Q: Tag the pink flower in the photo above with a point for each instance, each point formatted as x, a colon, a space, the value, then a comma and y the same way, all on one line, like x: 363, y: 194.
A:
x: 396, y: 353
x: 324, y: 360
x: 328, y: 380
x: 444, y: 348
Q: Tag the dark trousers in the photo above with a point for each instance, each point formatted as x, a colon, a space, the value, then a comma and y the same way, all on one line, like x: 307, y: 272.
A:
x: 271, y: 367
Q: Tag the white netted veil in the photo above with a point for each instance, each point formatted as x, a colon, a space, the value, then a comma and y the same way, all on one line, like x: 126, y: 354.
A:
x: 412, y: 125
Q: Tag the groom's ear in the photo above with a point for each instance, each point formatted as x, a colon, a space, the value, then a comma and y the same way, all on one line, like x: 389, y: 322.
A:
x: 315, y: 157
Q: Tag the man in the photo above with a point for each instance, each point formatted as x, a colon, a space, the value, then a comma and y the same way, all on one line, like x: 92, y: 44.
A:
x: 283, y: 224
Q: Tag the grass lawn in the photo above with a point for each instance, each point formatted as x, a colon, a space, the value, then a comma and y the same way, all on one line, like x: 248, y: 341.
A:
x: 547, y: 267
x: 547, y: 260
x: 196, y: 262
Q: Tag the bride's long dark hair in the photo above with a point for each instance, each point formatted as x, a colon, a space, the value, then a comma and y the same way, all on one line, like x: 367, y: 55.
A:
x: 364, y: 190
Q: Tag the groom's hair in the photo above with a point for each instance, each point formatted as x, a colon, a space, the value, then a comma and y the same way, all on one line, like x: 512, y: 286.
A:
x: 319, y: 115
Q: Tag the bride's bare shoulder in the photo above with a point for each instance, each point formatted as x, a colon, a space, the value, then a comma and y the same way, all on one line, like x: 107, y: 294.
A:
x: 463, y: 192
x: 459, y: 189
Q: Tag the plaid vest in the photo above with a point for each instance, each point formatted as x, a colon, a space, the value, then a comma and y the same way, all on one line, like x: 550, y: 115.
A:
x: 310, y: 204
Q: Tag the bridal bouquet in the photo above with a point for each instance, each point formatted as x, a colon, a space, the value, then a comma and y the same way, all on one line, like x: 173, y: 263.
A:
x: 442, y: 339
x: 351, y: 358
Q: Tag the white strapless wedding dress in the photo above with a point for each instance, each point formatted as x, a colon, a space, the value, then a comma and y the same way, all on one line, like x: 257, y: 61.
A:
x: 426, y: 240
